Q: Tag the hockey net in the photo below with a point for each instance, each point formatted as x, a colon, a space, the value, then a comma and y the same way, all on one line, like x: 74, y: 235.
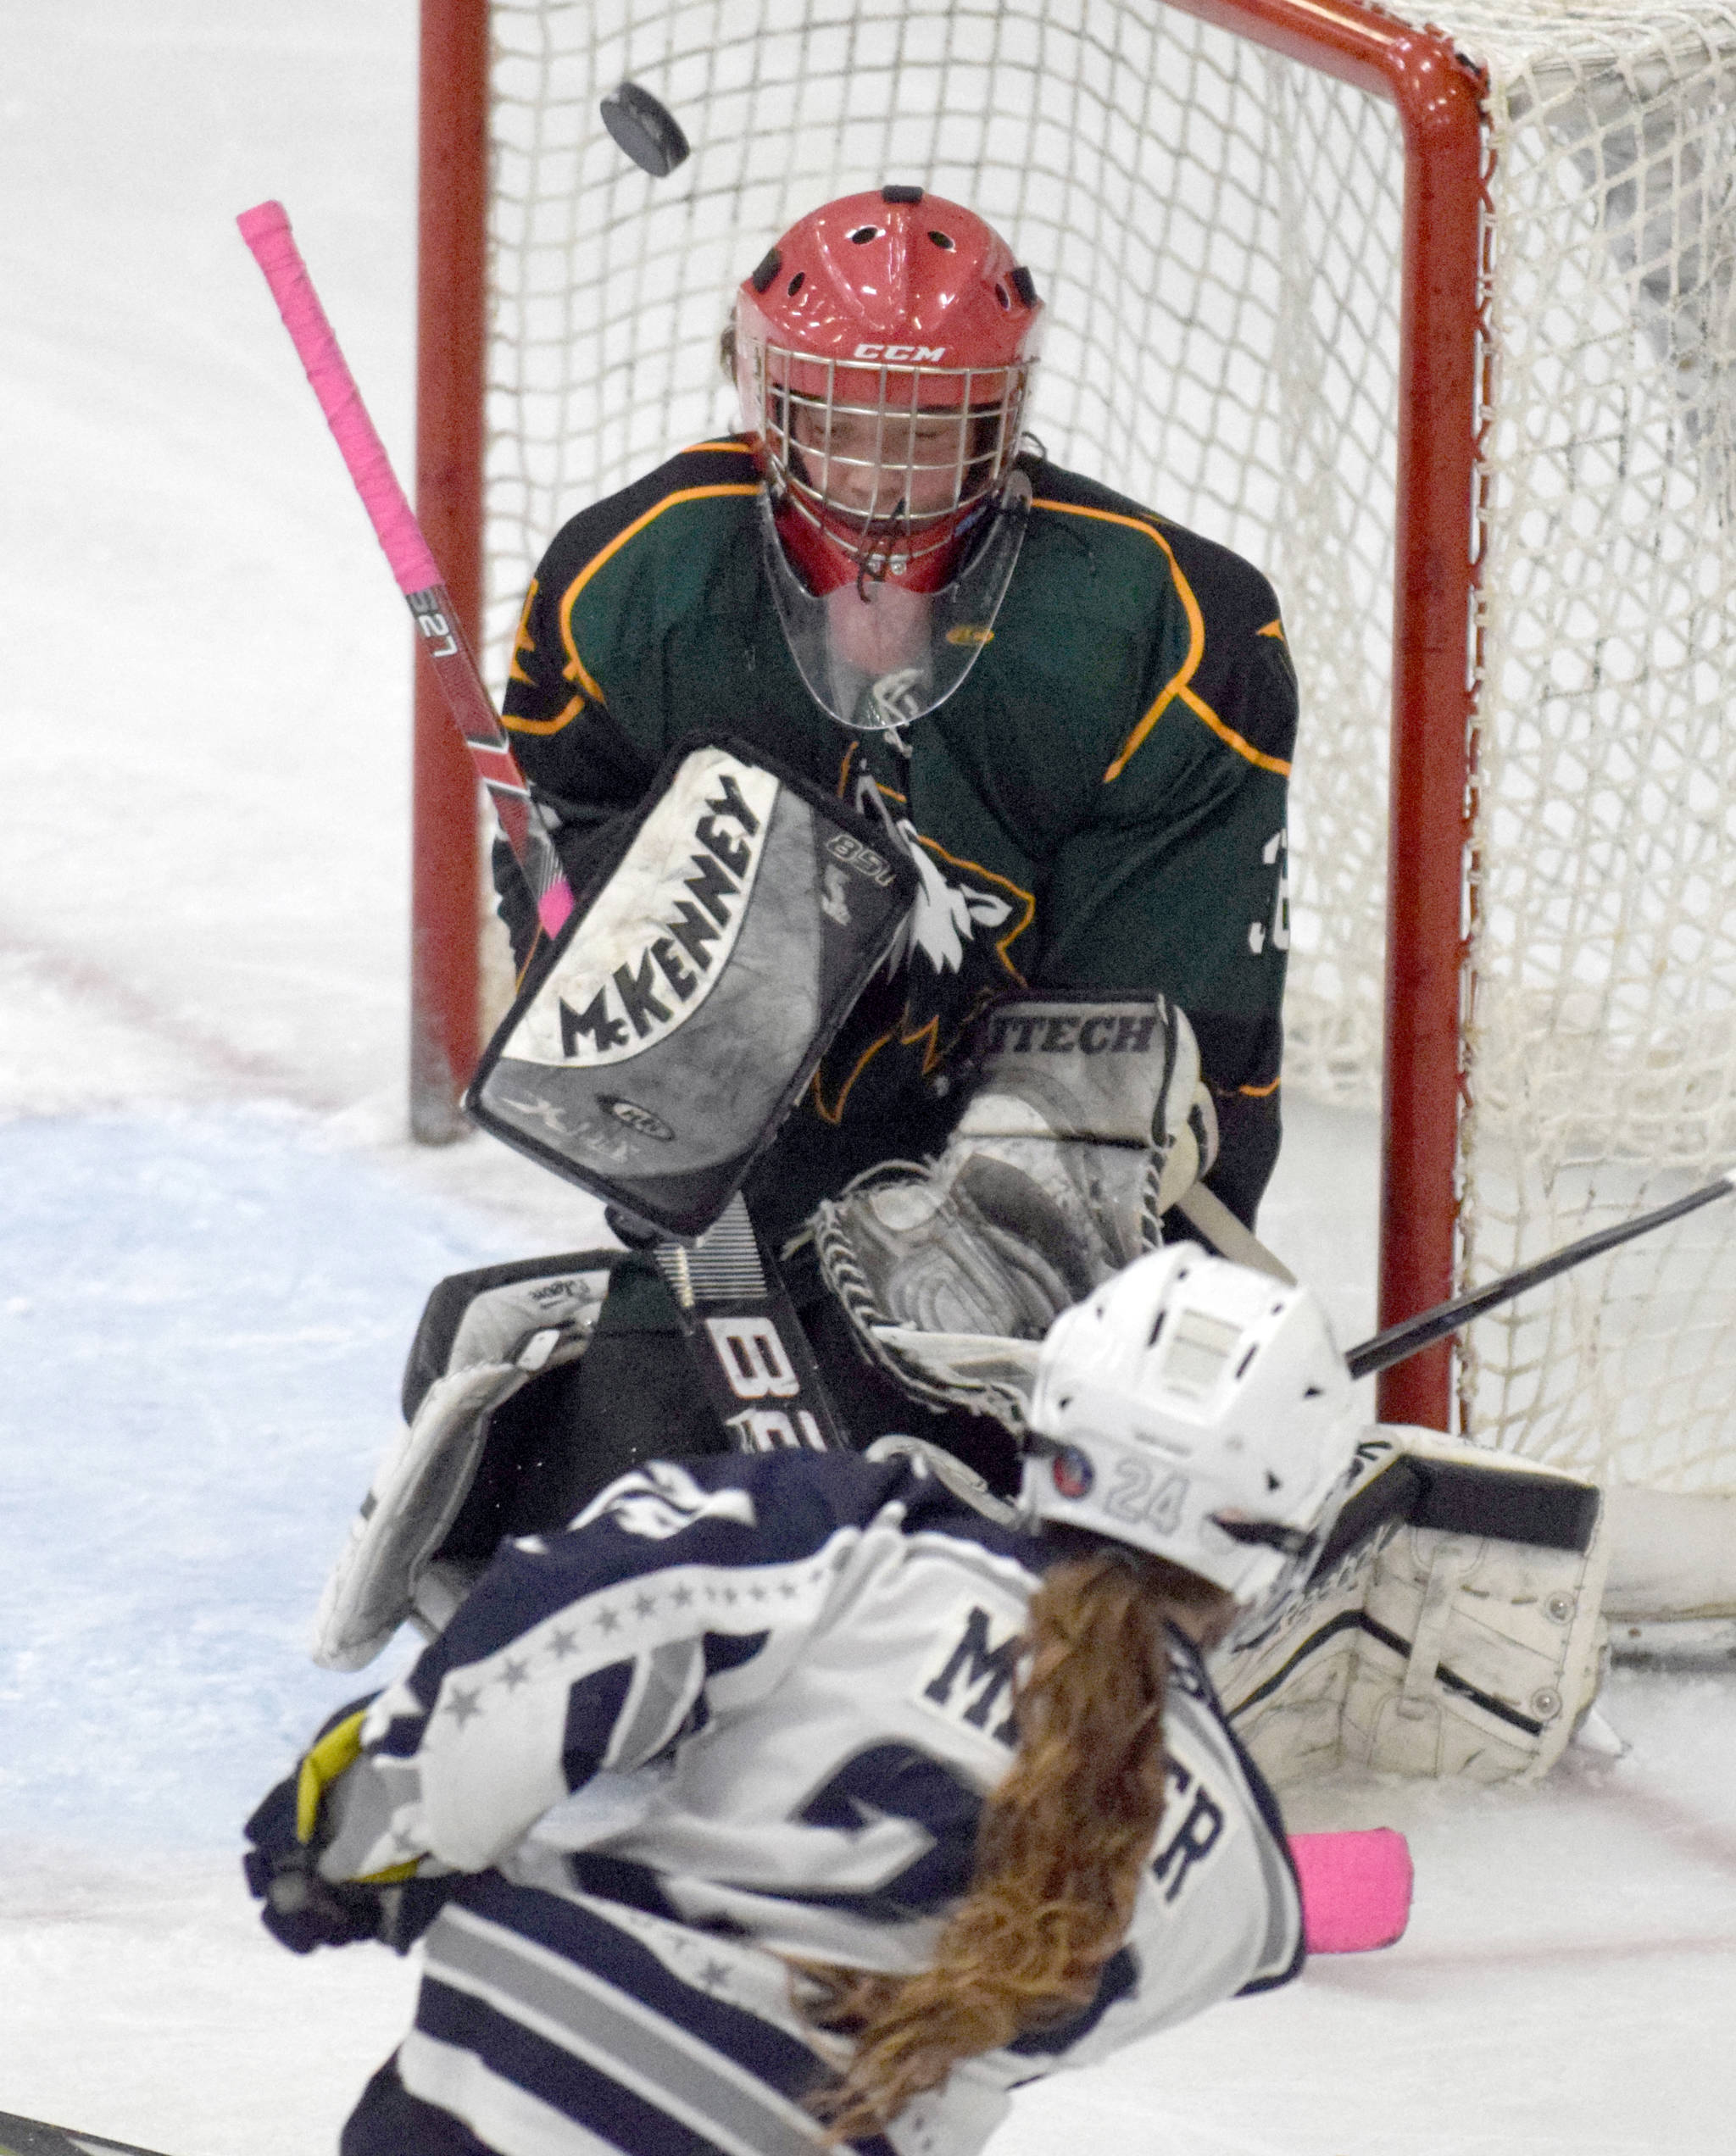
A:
x: 1217, y: 231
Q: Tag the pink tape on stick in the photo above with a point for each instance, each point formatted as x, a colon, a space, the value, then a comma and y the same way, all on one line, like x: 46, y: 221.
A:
x: 1355, y: 1889
x: 266, y: 231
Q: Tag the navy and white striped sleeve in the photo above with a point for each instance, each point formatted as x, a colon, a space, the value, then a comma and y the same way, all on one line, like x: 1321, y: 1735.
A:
x: 594, y: 1649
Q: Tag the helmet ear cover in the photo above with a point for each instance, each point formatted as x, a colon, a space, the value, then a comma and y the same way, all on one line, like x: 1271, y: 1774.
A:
x: 1198, y: 1411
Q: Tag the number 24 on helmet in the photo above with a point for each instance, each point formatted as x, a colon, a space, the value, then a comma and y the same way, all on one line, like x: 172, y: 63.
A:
x: 1199, y: 1410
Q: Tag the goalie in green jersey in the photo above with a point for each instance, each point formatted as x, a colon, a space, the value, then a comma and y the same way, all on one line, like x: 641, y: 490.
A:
x: 1073, y: 717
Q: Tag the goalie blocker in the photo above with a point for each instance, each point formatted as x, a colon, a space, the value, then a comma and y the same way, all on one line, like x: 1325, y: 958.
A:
x: 662, y: 1036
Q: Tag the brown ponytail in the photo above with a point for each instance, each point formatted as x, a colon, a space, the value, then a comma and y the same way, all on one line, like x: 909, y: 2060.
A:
x: 1063, y: 1841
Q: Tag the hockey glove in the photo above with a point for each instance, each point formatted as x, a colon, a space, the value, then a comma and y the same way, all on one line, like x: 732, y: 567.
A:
x: 1087, y: 1121
x: 290, y: 1832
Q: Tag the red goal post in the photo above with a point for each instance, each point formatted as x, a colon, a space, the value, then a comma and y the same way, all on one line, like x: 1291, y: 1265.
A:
x: 452, y: 314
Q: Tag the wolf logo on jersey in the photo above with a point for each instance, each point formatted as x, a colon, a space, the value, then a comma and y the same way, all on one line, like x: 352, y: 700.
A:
x: 949, y: 909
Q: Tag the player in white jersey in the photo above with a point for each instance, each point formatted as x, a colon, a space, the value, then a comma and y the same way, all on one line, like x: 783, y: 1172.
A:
x: 792, y: 1797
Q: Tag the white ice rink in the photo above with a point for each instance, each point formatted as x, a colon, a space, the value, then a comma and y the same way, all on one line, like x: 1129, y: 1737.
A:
x: 214, y: 1240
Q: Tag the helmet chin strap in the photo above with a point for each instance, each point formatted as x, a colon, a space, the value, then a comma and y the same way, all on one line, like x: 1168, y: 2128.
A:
x: 892, y: 531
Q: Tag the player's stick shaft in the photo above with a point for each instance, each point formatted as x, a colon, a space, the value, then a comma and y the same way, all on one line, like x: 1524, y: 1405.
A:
x: 1410, y: 1334
x: 36, y: 2137
x: 265, y: 229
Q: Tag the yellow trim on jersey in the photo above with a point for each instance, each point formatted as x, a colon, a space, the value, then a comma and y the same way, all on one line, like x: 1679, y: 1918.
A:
x: 1176, y: 688
x: 734, y: 448
x: 575, y: 668
x: 1273, y: 629
x: 1228, y: 735
x: 545, y: 725
x: 880, y: 786
x: 522, y: 639
x: 1260, y: 1092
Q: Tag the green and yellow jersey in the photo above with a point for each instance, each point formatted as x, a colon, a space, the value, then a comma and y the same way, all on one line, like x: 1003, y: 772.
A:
x: 1100, y: 805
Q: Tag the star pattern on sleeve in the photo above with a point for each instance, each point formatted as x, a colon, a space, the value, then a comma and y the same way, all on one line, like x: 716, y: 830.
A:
x: 465, y: 1693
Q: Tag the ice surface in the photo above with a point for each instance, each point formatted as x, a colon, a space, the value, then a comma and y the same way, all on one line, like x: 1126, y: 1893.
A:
x: 214, y: 1238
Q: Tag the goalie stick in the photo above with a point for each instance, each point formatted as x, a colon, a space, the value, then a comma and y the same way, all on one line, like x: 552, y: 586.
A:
x: 265, y: 228
x: 748, y: 1343
x: 749, y: 1348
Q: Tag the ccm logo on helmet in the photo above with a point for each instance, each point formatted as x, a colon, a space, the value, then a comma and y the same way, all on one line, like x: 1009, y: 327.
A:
x: 917, y: 351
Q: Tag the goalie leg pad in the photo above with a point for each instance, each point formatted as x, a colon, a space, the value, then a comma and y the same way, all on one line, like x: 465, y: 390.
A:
x: 483, y: 1335
x: 1421, y: 1651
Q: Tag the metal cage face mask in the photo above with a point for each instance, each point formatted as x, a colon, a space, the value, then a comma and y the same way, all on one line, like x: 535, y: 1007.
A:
x: 892, y: 462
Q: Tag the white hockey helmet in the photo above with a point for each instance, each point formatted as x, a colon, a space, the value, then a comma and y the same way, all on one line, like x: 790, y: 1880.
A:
x: 1199, y: 1410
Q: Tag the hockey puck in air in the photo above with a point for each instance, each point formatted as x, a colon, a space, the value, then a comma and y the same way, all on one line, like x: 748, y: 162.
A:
x: 645, y: 128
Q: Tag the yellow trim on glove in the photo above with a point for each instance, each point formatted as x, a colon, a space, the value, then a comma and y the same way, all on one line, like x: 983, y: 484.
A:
x: 336, y: 1752
x: 392, y: 1874
x: 334, y: 1755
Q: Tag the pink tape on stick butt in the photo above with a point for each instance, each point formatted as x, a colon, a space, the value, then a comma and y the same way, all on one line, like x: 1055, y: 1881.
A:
x: 1355, y: 1889
x: 266, y: 232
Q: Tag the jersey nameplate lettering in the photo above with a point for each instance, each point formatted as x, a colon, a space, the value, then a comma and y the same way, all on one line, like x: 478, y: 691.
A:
x: 1192, y: 1826
x: 972, y: 1681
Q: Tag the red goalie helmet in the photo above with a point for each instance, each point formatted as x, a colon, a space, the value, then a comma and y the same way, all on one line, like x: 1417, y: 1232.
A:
x: 884, y: 350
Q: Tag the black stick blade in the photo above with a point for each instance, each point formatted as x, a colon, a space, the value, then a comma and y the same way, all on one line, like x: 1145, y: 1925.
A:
x: 1412, y: 1335
x: 35, y: 2138
x: 645, y: 128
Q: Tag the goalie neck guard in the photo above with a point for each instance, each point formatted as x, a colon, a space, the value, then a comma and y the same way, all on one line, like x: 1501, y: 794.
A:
x: 883, y: 350
x: 1193, y: 1409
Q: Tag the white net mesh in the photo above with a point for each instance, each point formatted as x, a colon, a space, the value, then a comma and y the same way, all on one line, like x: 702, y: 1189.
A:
x: 1602, y: 1075
x: 1216, y: 232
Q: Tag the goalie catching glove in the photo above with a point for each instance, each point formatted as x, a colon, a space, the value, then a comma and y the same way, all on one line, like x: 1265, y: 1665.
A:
x: 1087, y: 1122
